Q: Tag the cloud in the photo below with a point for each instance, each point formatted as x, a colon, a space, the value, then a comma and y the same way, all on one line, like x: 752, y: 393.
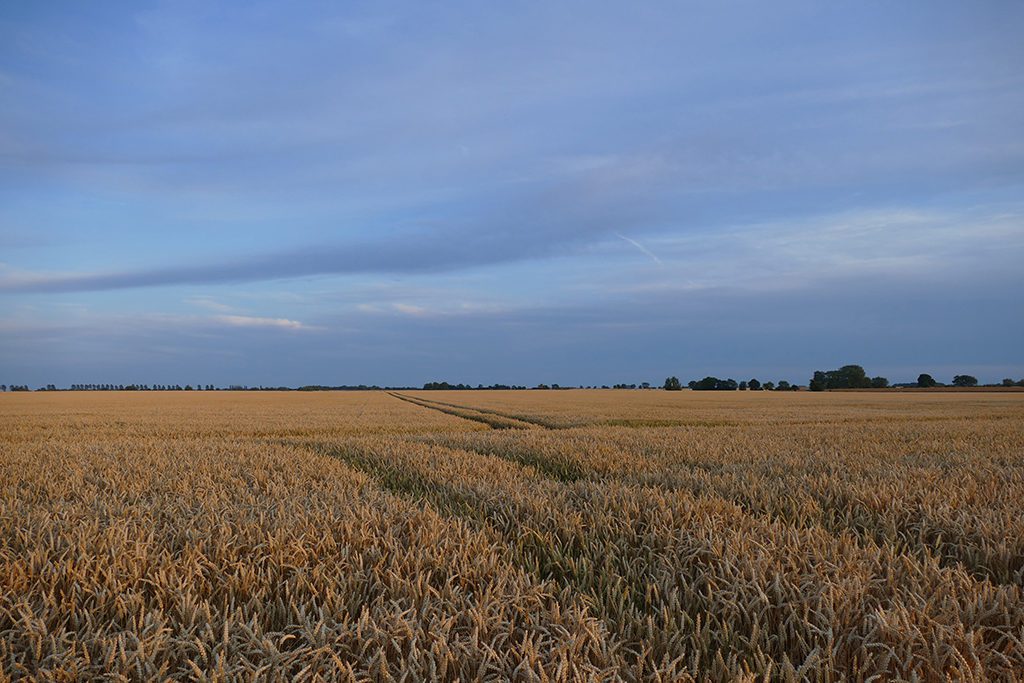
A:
x: 905, y: 243
x: 440, y: 175
x: 547, y: 217
x: 209, y: 304
x: 410, y: 309
x: 413, y: 255
x: 251, y: 321
x: 892, y: 327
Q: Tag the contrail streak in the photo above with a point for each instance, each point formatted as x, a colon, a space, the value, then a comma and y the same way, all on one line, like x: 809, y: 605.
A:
x: 641, y: 248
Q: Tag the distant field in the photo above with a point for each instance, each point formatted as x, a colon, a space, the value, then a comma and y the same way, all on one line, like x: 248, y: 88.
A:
x: 533, y: 536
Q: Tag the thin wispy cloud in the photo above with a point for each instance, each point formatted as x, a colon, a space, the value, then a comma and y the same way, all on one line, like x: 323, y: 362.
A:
x: 253, y: 321
x: 209, y: 304
x: 410, y: 309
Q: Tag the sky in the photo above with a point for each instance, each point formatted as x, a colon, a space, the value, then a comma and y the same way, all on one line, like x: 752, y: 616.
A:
x: 572, y: 192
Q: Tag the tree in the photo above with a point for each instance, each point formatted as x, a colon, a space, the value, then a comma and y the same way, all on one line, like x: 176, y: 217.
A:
x: 819, y: 382
x: 672, y: 384
x: 714, y: 384
x: 926, y: 381
x: 846, y: 377
x: 965, y: 381
x: 783, y: 385
x: 769, y: 386
x: 1007, y: 382
x: 754, y: 385
x: 743, y: 386
x: 849, y: 377
x: 879, y: 382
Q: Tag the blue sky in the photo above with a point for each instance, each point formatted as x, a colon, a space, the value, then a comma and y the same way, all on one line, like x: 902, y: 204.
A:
x: 580, y: 192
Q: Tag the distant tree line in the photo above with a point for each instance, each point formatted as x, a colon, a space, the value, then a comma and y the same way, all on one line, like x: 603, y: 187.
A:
x: 716, y: 384
x: 854, y: 377
x: 846, y: 377
x: 925, y: 381
x: 135, y: 387
x: 340, y: 387
x: 445, y: 386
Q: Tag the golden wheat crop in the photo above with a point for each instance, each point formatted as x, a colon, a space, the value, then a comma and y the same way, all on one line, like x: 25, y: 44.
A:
x: 529, y: 536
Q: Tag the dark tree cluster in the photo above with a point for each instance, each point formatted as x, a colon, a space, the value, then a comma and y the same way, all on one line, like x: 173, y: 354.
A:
x: 926, y: 381
x: 846, y: 377
x: 445, y: 386
x: 854, y: 377
x: 714, y: 384
x: 138, y: 387
x: 753, y: 384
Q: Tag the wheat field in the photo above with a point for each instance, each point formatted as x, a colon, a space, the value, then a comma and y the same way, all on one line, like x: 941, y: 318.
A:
x: 527, y: 536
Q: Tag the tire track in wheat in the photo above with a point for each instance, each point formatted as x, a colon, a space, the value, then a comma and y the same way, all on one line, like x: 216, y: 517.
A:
x: 663, y: 570
x: 494, y: 421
